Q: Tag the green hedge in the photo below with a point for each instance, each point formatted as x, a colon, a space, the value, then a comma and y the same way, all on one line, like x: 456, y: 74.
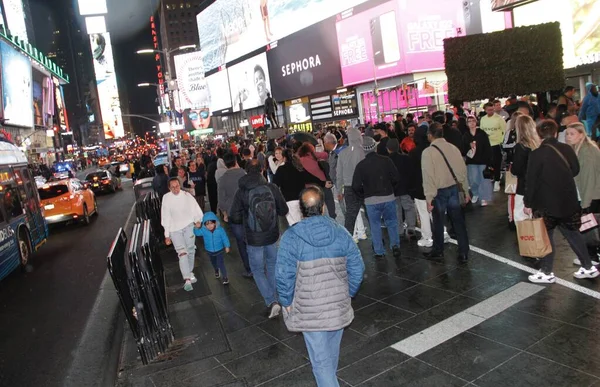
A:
x: 520, y: 61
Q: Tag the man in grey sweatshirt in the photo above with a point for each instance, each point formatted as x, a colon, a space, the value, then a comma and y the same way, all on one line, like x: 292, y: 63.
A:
x: 227, y: 186
x: 347, y: 161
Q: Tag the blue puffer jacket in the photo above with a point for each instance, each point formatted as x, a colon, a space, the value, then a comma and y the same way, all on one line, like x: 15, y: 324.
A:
x: 319, y: 267
x: 214, y: 241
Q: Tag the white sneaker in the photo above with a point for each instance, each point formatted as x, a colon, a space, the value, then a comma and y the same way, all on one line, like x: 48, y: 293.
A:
x: 542, y: 278
x: 497, y: 186
x: 484, y: 203
x: 193, y: 278
x: 474, y: 199
x: 355, y: 239
x: 447, y: 237
x: 577, y: 262
x: 583, y: 273
x: 188, y: 286
x: 425, y: 242
x: 275, y: 309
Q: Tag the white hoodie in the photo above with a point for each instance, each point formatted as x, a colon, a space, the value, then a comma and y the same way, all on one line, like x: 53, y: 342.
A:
x: 179, y: 211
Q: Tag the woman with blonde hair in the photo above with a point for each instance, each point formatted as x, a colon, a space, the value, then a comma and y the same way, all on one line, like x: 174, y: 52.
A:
x: 510, y: 141
x: 588, y: 179
x: 527, y: 141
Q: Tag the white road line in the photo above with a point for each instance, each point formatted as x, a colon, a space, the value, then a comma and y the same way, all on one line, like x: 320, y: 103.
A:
x: 517, y: 265
x: 465, y: 320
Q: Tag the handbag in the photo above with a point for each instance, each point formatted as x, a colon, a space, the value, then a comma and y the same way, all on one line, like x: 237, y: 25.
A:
x: 590, y: 230
x: 461, y: 190
x: 533, y: 238
x: 510, y: 183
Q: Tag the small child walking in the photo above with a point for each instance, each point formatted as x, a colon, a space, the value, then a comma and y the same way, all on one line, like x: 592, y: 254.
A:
x: 215, y: 242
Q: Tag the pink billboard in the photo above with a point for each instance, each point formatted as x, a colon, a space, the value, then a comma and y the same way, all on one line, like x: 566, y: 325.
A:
x: 396, y: 38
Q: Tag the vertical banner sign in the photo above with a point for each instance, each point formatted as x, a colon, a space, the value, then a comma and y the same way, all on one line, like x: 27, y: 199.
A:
x: 159, y: 69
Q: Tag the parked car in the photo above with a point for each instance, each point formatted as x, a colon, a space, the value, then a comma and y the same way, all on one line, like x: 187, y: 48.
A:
x: 68, y: 200
x: 102, y: 181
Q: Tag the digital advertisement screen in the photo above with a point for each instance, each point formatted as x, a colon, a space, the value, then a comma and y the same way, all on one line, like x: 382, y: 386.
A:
x: 396, y: 38
x: 38, y: 98
x: 230, y: 29
x: 196, y: 119
x: 298, y: 110
x: 298, y: 68
x: 15, y: 18
x: 501, y: 5
x: 16, y: 87
x: 193, y: 89
x: 249, y: 82
x: 344, y: 104
x: 218, y: 88
x: 106, y: 80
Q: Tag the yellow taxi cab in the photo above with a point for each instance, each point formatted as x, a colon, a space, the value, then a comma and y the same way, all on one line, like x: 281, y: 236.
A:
x: 67, y: 200
x: 103, y: 161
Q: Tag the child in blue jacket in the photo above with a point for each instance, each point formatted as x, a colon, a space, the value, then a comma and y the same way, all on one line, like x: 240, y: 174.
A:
x: 215, y: 242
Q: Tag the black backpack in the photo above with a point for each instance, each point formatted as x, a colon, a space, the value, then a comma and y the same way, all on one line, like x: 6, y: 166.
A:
x: 262, y: 212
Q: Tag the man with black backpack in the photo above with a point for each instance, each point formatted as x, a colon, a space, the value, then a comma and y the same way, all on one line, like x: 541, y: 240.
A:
x: 258, y: 205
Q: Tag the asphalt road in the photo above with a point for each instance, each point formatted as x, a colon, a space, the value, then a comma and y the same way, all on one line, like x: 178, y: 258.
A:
x: 43, y: 312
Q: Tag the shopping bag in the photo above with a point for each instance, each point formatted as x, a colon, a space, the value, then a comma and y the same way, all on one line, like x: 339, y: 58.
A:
x: 533, y: 238
x: 591, y: 233
x: 510, y: 183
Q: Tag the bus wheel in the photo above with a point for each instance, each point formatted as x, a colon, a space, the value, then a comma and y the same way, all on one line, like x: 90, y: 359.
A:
x: 24, y: 248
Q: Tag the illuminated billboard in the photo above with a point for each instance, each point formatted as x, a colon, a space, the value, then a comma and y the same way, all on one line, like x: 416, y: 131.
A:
x: 106, y: 80
x: 230, y: 29
x: 249, y: 82
x: 92, y: 7
x: 505, y: 5
x: 193, y: 89
x: 15, y: 18
x: 17, y: 94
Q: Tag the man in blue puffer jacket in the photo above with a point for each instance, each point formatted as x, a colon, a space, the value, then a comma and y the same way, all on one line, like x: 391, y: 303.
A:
x: 319, y: 268
x: 216, y: 243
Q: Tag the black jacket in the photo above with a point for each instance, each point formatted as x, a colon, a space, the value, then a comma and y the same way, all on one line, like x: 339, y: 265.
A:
x: 551, y: 186
x: 382, y: 146
x: 291, y: 181
x: 415, y: 158
x: 483, y: 153
x: 376, y: 175
x: 241, y: 206
x: 405, y: 174
x: 160, y: 184
x: 453, y: 136
x: 519, y: 167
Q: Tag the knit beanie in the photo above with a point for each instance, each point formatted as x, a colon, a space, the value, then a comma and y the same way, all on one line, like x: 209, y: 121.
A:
x: 369, y: 144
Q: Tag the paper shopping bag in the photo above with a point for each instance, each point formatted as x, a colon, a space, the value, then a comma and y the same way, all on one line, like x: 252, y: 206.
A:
x: 510, y: 183
x: 533, y: 238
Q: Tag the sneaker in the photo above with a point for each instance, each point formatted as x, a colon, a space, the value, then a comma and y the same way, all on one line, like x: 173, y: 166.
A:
x: 542, y: 278
x: 447, y: 237
x: 425, y: 242
x: 188, y: 286
x: 577, y: 262
x: 497, y: 186
x: 193, y: 278
x: 275, y: 310
x: 379, y: 256
x: 583, y: 273
x: 225, y: 281
x: 474, y: 199
x: 396, y: 251
x: 247, y: 274
x: 217, y: 274
x: 355, y: 239
x: 362, y: 237
x: 484, y: 203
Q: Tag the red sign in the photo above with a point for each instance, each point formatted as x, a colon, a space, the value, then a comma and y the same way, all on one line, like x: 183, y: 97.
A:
x: 159, y: 69
x: 257, y: 121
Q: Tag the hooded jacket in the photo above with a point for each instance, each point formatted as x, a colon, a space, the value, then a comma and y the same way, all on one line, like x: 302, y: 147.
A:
x: 228, y: 186
x: 349, y: 158
x: 221, y: 169
x: 319, y: 268
x: 590, y: 108
x: 216, y: 240
x: 241, y: 206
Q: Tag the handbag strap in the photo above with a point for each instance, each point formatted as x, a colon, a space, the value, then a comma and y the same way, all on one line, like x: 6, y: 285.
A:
x: 447, y: 163
x: 560, y: 154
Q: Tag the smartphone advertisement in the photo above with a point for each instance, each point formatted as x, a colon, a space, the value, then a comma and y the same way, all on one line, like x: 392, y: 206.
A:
x: 396, y: 38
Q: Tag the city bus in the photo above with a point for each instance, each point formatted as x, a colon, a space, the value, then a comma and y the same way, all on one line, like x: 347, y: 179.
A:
x: 23, y: 229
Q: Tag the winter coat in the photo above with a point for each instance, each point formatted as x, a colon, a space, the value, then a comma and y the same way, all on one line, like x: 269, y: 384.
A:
x: 483, y: 150
x: 551, y: 186
x: 319, y: 268
x: 588, y: 179
x: 227, y: 187
x: 415, y: 158
x: 241, y: 206
x: 376, y: 175
x: 292, y: 181
x: 519, y: 167
x: 216, y: 240
x: 590, y: 108
x: 349, y: 158
x: 160, y: 184
x: 405, y: 173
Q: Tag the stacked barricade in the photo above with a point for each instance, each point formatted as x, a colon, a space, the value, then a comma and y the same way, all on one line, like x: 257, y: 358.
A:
x: 137, y: 272
x: 148, y: 207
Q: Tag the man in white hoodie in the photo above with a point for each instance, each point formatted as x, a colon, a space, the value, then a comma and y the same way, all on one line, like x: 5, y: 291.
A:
x: 179, y: 213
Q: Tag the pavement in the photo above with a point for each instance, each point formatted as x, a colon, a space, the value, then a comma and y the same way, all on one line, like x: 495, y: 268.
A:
x: 45, y: 310
x: 417, y: 323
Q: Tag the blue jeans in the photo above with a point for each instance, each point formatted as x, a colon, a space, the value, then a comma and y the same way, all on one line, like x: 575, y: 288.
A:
x: 240, y: 239
x: 447, y: 200
x: 217, y: 261
x: 475, y: 175
x: 262, y: 263
x: 324, y: 352
x: 390, y: 217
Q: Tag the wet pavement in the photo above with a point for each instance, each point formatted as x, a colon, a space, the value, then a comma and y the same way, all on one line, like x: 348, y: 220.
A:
x: 417, y: 323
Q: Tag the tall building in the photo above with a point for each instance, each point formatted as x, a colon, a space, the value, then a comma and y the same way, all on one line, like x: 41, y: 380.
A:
x: 59, y: 35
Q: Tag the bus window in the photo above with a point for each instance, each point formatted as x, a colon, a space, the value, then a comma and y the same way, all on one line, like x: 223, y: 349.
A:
x: 11, y: 202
